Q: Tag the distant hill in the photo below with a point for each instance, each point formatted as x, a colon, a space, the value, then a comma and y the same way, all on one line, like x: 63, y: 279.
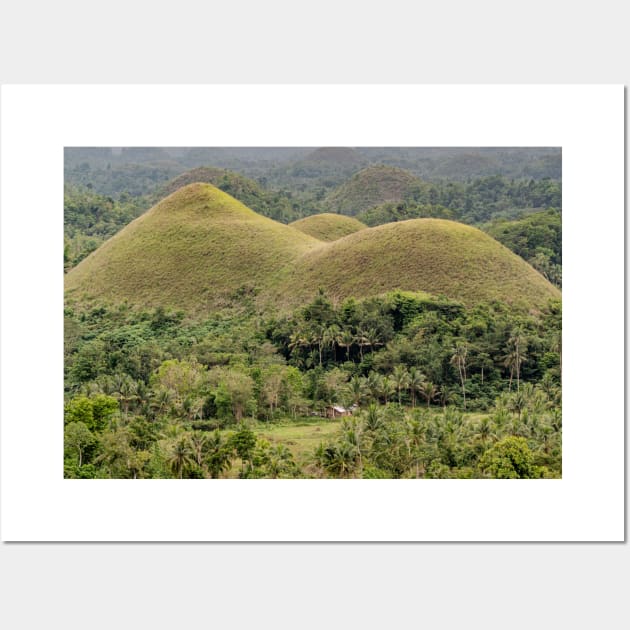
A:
x: 371, y: 187
x: 200, y: 250
x: 334, y: 155
x: 328, y: 227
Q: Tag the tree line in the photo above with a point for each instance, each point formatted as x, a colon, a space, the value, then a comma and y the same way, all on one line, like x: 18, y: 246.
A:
x: 150, y: 393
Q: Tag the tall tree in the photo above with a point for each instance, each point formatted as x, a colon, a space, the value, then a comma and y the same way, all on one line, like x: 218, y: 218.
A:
x: 516, y: 355
x: 458, y: 359
x: 345, y: 340
x: 429, y: 391
x: 400, y: 378
x: 180, y: 458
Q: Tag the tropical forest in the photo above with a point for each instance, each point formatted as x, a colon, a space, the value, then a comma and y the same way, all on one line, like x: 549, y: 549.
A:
x: 312, y: 313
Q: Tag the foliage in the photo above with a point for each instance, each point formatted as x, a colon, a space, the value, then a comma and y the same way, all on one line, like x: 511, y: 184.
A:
x: 204, y: 340
x: 535, y: 237
x: 228, y: 395
x: 510, y: 458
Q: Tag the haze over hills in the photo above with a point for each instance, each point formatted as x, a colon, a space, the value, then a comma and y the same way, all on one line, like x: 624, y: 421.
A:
x: 327, y: 226
x: 140, y: 170
x: 200, y: 249
x: 335, y: 155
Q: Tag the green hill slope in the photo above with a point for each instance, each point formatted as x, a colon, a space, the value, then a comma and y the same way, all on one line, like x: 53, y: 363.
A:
x: 193, y: 250
x: 200, y: 250
x: 327, y: 226
x: 431, y: 255
x: 270, y: 204
x: 370, y: 187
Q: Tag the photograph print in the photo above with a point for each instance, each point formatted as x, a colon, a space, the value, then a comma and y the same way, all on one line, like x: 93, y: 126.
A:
x: 312, y: 313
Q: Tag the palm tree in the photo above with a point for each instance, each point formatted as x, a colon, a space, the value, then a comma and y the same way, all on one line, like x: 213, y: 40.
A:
x: 341, y: 459
x: 517, y: 403
x: 516, y: 355
x: 415, y: 382
x: 373, y: 384
x: 279, y: 460
x: 198, y: 441
x: 446, y: 395
x: 429, y: 391
x: 373, y: 419
x: 218, y: 455
x: 318, y: 335
x: 371, y: 337
x: 459, y: 359
x: 192, y: 408
x: 484, y: 430
x: 353, y: 434
x: 356, y: 389
x: 299, y: 339
x: 330, y: 339
x: 162, y: 399
x: 400, y: 378
x: 346, y: 339
x: 125, y: 389
x: 386, y: 388
x: 548, y: 386
x: 180, y: 457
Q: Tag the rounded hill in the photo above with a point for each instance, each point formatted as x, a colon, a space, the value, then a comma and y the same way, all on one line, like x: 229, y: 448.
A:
x: 327, y: 226
x: 431, y: 255
x: 247, y: 191
x: 195, y: 250
x: 240, y: 185
x: 201, y: 250
x: 370, y: 187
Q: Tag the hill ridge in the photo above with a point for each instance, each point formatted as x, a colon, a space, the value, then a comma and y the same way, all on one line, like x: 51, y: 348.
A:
x: 328, y: 226
x: 200, y: 249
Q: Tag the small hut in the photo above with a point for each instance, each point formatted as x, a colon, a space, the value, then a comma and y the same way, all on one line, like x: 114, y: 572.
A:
x: 338, y: 411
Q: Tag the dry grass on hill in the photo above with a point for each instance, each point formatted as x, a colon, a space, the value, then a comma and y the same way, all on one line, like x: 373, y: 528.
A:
x: 327, y: 226
x: 201, y: 250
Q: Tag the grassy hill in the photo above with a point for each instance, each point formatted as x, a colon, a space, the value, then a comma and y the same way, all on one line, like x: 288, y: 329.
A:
x: 270, y: 204
x: 328, y: 227
x: 431, y: 255
x: 200, y: 250
x: 370, y: 187
x: 194, y: 250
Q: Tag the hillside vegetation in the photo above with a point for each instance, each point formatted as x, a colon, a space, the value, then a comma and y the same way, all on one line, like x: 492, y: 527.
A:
x: 537, y: 238
x: 327, y: 226
x: 200, y: 250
